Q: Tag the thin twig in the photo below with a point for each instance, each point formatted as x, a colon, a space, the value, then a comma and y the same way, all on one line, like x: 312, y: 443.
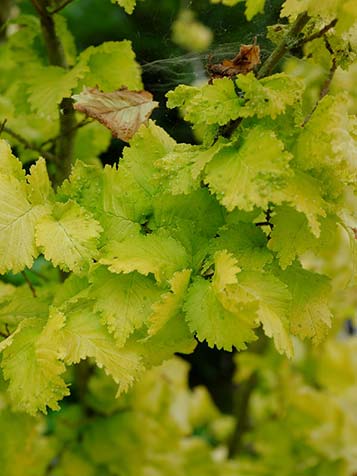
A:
x: 29, y: 145
x: 2, y: 126
x: 30, y: 285
x: 83, y: 123
x: 317, y: 34
x: 60, y: 7
x: 324, y: 91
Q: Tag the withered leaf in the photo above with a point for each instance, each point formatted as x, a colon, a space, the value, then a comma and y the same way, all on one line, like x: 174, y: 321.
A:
x: 122, y: 111
x: 244, y: 62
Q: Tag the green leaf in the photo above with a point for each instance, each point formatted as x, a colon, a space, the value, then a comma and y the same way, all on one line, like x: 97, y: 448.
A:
x: 269, y: 96
x: 84, y: 336
x: 153, y: 253
x: 327, y: 140
x: 303, y: 191
x: 250, y: 175
x: 18, y: 218
x: 91, y: 141
x: 246, y: 242
x: 215, y: 103
x: 9, y: 164
x: 111, y: 66
x: 48, y: 85
x: 210, y: 321
x: 183, y: 166
x: 170, y: 303
x: 31, y: 363
x: 273, y: 299
x: 149, y: 144
x: 19, y: 304
x: 207, y: 313
x: 69, y: 237
x: 252, y: 8
x: 291, y: 236
x: 40, y: 190
x: 128, y: 5
x: 123, y: 301
x: 309, y: 313
x: 125, y: 204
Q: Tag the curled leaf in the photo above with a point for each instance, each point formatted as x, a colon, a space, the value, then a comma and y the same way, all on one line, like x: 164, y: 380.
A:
x: 244, y: 62
x: 122, y: 111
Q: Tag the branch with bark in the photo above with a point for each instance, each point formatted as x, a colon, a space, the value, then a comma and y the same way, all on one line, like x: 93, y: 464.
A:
x: 67, y: 119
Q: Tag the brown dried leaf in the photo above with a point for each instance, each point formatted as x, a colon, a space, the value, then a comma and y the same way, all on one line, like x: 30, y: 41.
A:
x: 121, y: 111
x: 244, y: 62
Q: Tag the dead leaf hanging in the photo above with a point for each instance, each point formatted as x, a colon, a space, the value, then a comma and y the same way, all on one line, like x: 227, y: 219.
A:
x: 122, y: 111
x: 244, y: 62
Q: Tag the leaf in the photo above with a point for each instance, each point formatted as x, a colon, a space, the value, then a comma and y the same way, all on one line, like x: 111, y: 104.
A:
x: 170, y: 303
x: 253, y: 7
x: 125, y: 203
x: 48, y: 85
x: 303, y: 191
x: 123, y: 301
x: 149, y: 144
x: 215, y: 103
x: 269, y: 96
x: 153, y: 253
x: 18, y: 219
x: 90, y: 142
x: 207, y: 313
x: 291, y: 236
x: 273, y: 300
x: 211, y: 321
x: 189, y: 33
x: 309, y: 313
x: 250, y: 175
x: 121, y: 111
x: 183, y: 166
x: 111, y: 66
x: 69, y: 237
x: 327, y: 140
x: 40, y: 189
x: 244, y: 62
x: 128, y: 5
x: 84, y: 336
x: 246, y: 242
x: 20, y: 304
x: 9, y: 164
x: 31, y: 363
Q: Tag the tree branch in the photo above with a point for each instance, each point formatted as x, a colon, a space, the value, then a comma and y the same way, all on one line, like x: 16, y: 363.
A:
x: 243, y: 393
x: 80, y: 124
x: 29, y: 145
x: 56, y: 56
x: 317, y: 34
x: 284, y: 46
x: 60, y: 7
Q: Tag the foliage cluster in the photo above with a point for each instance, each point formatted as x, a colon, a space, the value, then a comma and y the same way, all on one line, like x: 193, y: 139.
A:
x: 250, y: 231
